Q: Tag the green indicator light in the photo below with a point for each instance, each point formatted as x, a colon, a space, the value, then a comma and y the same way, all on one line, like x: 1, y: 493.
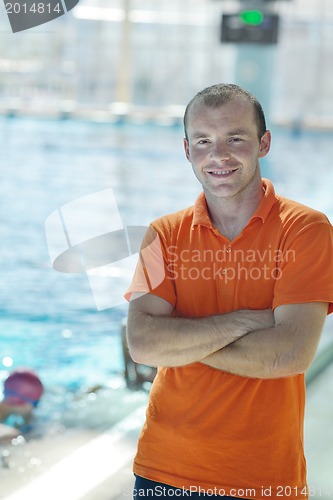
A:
x: 254, y: 17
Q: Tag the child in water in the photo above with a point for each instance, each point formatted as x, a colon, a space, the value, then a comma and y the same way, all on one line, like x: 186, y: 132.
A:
x: 22, y: 392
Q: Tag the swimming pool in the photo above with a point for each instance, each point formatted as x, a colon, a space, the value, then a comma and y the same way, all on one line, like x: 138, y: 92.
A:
x: 48, y: 320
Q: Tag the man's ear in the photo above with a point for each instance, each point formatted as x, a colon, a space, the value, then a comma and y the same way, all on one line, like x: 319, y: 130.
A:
x: 187, y: 149
x: 265, y: 144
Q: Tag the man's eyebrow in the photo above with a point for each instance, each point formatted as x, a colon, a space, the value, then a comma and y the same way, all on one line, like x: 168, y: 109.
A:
x: 238, y: 131
x: 199, y: 134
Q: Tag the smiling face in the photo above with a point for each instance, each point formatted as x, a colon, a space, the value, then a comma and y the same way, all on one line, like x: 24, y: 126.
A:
x: 224, y: 148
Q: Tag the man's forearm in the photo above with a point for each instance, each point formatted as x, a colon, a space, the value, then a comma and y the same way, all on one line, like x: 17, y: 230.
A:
x: 284, y: 350
x: 258, y: 355
x: 171, y: 341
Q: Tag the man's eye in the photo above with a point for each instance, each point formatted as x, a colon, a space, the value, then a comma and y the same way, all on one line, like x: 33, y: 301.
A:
x: 235, y: 139
x: 203, y: 141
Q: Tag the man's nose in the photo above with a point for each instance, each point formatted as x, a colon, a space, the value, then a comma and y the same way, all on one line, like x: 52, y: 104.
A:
x: 221, y: 152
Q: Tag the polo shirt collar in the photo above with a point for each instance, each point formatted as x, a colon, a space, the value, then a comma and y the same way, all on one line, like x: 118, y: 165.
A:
x: 201, y: 215
x: 268, y: 200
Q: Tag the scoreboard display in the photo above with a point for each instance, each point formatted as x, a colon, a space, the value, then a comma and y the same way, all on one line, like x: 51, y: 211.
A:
x: 250, y: 26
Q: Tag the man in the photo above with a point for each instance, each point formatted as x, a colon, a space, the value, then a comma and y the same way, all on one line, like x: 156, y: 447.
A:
x: 229, y: 301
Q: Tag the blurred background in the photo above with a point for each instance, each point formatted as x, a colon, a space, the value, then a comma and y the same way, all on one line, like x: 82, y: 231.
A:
x: 157, y: 55
x: 94, y: 100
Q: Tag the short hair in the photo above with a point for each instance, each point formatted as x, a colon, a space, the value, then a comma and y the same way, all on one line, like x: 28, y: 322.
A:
x: 217, y: 95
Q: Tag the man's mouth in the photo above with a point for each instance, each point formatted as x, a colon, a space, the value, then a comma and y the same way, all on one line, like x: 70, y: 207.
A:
x: 222, y: 173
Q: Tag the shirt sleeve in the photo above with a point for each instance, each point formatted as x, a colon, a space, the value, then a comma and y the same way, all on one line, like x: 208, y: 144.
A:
x: 305, y: 274
x: 152, y: 274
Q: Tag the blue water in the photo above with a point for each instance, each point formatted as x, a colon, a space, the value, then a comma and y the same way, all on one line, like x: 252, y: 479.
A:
x: 48, y: 320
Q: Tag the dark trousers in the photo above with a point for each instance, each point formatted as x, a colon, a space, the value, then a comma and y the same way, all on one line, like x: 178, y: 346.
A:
x: 144, y: 489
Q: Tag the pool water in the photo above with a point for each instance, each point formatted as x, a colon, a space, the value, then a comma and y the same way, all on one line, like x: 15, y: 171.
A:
x: 48, y: 320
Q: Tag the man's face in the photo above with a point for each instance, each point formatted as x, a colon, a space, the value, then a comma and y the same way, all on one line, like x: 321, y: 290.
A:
x: 223, y: 147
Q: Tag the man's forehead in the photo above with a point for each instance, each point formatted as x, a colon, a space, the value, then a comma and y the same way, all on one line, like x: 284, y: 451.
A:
x: 200, y: 108
x: 234, y: 109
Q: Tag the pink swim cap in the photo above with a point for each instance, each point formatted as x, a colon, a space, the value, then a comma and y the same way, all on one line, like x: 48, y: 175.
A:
x: 23, y: 386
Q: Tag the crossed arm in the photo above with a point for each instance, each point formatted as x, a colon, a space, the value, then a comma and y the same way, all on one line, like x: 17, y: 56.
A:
x: 249, y: 343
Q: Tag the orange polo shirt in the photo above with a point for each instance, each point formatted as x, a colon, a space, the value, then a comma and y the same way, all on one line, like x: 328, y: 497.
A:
x: 207, y: 430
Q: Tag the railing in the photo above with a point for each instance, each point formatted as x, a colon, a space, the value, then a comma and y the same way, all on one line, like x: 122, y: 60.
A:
x: 136, y: 375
